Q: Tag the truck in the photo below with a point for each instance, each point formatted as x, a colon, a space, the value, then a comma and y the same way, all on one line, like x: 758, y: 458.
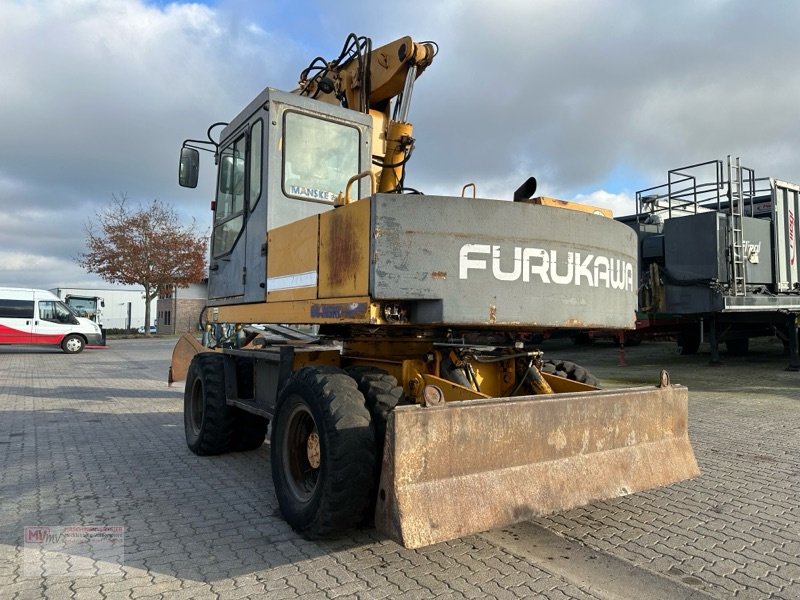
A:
x: 88, y: 307
x: 416, y: 399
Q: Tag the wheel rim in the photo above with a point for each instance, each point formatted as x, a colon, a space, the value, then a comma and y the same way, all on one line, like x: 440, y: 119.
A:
x: 196, y: 406
x: 302, y: 453
x: 73, y: 344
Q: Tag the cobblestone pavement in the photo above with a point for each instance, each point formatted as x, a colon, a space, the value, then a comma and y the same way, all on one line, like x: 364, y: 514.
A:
x: 97, y: 439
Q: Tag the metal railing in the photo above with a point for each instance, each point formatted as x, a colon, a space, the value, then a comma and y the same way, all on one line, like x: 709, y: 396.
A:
x: 700, y: 187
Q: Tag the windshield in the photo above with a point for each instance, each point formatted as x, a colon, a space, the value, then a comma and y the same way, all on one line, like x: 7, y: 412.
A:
x: 82, y: 307
x: 319, y: 157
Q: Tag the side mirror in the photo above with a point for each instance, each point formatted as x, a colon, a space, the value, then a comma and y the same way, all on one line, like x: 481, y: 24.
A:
x: 189, y: 166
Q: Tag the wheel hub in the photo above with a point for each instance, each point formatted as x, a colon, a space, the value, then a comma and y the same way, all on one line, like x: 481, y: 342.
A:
x: 312, y: 450
x: 302, y: 453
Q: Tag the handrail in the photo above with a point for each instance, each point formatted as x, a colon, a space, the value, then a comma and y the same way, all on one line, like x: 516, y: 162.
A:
x: 693, y: 188
x: 343, y: 199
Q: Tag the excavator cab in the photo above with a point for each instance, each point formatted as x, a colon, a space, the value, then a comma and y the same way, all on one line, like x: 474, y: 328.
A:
x: 284, y: 158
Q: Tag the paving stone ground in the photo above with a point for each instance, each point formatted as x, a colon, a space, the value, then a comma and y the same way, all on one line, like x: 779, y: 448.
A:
x: 97, y: 439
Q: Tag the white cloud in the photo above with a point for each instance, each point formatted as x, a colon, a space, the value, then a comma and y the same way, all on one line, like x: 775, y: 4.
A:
x: 99, y: 94
x: 619, y: 204
x: 18, y: 261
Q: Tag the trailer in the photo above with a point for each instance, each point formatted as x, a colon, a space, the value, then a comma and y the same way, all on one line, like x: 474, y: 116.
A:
x: 718, y: 257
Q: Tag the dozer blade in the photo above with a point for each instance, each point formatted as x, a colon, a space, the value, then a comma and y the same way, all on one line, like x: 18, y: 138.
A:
x: 465, y: 467
x: 182, y: 355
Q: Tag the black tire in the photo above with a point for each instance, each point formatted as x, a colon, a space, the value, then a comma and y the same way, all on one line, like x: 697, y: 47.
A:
x: 381, y: 394
x: 738, y: 346
x: 569, y: 370
x: 689, y: 341
x: 322, y: 452
x: 207, y: 419
x: 73, y: 344
x: 249, y: 430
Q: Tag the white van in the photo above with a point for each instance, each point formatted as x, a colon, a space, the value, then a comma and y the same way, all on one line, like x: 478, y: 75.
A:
x: 30, y: 316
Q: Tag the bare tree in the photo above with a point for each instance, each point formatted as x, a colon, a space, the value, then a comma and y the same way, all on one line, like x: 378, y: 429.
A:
x: 144, y: 245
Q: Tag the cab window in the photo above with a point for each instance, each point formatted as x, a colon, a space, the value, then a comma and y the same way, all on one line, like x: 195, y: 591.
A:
x: 319, y: 157
x: 229, y: 216
x: 56, y: 312
x: 256, y: 134
x: 16, y: 309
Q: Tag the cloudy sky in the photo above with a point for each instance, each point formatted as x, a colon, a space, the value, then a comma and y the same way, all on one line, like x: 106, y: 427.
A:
x: 596, y: 99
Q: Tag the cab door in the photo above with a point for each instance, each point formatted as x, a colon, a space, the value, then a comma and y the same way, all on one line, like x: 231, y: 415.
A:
x: 227, y: 272
x: 52, y: 322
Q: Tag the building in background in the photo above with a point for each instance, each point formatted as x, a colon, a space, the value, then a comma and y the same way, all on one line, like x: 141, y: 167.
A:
x: 179, y: 308
x: 117, y: 308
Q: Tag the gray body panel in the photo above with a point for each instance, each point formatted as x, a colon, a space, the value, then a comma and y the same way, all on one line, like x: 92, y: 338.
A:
x: 695, y: 247
x: 492, y: 262
x: 696, y: 263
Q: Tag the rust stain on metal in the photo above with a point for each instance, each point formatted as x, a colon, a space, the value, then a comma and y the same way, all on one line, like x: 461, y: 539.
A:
x: 439, y: 275
x: 492, y: 314
x: 574, y: 323
x: 344, y: 253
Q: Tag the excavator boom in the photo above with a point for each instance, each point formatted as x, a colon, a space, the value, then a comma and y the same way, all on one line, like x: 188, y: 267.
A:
x: 365, y: 79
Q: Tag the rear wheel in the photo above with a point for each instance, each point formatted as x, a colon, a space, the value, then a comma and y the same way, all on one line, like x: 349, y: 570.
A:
x: 72, y: 344
x: 569, y: 370
x: 322, y: 452
x: 208, y: 420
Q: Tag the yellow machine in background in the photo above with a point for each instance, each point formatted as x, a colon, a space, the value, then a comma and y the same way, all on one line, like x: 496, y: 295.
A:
x: 420, y: 400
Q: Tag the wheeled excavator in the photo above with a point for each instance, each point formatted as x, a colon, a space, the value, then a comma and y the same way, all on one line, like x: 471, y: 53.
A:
x: 385, y: 338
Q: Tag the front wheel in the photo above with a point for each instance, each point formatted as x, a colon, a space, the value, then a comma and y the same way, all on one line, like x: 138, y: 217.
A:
x: 322, y: 452
x: 72, y: 344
